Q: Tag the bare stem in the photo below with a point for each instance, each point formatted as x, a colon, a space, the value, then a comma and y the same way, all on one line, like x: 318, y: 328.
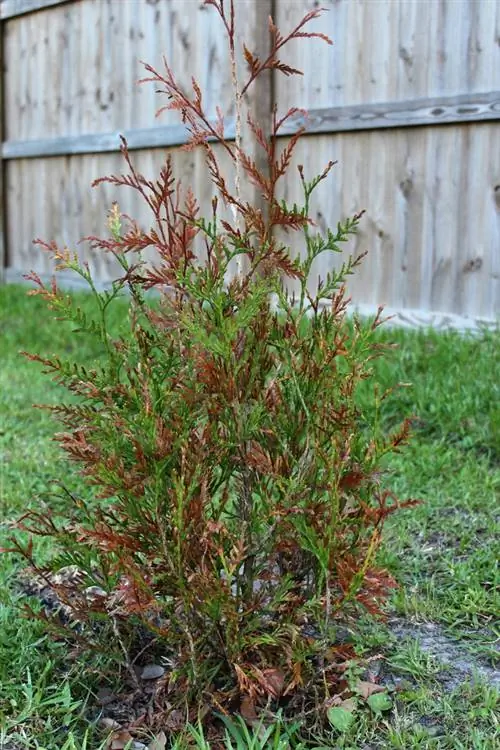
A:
x: 128, y: 663
x: 237, y: 101
x: 246, y: 517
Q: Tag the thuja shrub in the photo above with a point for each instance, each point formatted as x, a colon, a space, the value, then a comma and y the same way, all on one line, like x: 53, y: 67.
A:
x: 234, y: 500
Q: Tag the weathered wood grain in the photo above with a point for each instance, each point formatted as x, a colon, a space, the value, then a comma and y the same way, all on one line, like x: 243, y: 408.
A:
x: 432, y: 111
x: 253, y: 24
x: 391, y: 50
x: 14, y: 8
x: 407, y: 99
x: 432, y: 222
x: 85, y: 61
x: 3, y: 253
x: 74, y: 210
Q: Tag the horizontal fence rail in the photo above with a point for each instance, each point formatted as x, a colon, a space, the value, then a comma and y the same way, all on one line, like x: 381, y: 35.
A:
x: 419, y: 112
x: 14, y: 8
x: 433, y: 111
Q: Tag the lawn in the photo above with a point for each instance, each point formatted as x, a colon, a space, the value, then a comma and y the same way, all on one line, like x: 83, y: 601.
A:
x: 436, y: 651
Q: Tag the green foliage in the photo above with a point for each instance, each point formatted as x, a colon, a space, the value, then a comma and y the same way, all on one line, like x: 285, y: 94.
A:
x: 340, y: 717
x: 234, y: 505
x: 273, y: 737
x: 379, y: 702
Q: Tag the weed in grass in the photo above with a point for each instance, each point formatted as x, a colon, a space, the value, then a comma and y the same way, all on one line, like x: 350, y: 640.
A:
x: 411, y: 659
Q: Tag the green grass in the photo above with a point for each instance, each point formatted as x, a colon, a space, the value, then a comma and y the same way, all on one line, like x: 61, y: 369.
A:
x: 444, y: 551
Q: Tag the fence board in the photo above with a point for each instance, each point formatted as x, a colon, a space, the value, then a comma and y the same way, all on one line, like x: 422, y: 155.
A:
x: 391, y: 50
x: 64, y: 207
x: 252, y: 23
x: 85, y: 61
x: 3, y: 206
x: 432, y: 194
x: 96, y: 143
x: 14, y: 8
x: 431, y: 111
x: 426, y: 250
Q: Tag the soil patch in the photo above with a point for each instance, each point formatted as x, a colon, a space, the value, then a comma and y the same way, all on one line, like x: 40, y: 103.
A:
x: 459, y: 662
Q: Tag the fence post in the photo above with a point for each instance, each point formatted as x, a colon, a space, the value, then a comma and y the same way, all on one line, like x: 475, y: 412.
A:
x: 3, y: 194
x: 253, y: 22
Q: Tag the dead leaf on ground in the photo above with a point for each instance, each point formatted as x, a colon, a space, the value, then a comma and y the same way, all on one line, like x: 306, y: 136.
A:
x: 175, y: 720
x: 349, y: 704
x: 245, y: 684
x: 159, y: 742
x: 296, y: 679
x: 271, y: 679
x: 119, y: 740
x: 247, y: 709
x: 276, y: 680
x: 108, y: 724
x: 365, y: 689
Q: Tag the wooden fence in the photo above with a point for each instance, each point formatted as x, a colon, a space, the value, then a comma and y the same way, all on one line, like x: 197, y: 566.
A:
x: 407, y: 100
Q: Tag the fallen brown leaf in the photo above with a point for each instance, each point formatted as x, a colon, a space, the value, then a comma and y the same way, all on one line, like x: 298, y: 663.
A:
x: 275, y: 680
x: 119, y: 740
x: 108, y: 724
x: 159, y: 742
x: 247, y: 709
x: 296, y: 679
x: 175, y: 720
x: 349, y: 704
x: 365, y: 689
x: 272, y: 680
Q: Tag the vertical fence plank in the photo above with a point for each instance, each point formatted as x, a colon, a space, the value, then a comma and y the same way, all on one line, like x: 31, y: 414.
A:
x: 3, y: 253
x: 259, y: 100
